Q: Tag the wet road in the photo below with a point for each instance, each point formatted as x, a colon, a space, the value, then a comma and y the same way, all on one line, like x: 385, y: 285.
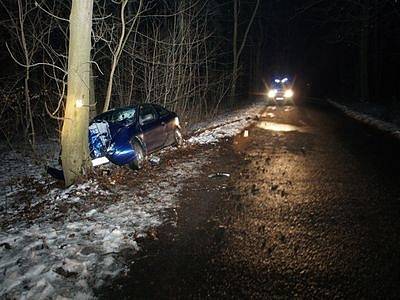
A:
x: 311, y: 210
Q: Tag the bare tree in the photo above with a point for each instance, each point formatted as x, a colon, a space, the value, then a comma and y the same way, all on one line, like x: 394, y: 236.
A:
x: 116, y: 54
x: 74, y: 138
x: 28, y: 45
x: 238, y: 48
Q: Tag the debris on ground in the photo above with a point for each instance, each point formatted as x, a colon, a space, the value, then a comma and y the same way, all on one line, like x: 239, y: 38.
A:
x: 154, y: 160
x: 219, y: 175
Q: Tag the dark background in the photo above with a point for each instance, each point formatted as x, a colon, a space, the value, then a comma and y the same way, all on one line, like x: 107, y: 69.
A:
x: 334, y: 46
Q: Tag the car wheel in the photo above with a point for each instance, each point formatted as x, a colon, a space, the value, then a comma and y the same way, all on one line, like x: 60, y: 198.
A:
x: 178, y: 139
x: 138, y: 161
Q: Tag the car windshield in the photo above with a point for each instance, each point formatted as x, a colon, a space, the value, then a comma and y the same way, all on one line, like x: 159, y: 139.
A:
x: 118, y: 115
x: 280, y: 86
x: 281, y: 83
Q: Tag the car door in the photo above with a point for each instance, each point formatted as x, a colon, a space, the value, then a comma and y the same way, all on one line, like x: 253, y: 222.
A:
x: 151, y: 127
x: 165, y: 120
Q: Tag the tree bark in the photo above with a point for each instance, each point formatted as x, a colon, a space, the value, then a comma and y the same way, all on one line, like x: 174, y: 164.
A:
x: 92, y: 96
x: 74, y: 137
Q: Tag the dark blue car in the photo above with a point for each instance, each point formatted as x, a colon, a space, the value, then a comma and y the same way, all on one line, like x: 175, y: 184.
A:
x: 125, y: 136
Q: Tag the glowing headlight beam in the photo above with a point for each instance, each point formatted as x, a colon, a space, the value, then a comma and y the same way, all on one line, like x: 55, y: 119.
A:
x: 272, y: 93
x: 288, y: 94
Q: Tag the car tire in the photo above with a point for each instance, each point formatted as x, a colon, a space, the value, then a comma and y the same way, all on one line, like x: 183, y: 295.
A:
x: 178, y: 138
x: 138, y: 162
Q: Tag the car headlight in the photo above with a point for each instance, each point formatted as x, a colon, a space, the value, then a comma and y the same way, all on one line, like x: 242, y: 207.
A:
x: 272, y: 93
x: 288, y: 94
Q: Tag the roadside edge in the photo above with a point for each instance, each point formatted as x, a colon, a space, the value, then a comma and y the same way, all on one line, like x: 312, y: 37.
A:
x: 386, y: 127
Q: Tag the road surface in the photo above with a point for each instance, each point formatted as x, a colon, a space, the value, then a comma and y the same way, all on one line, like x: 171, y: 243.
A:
x: 311, y: 210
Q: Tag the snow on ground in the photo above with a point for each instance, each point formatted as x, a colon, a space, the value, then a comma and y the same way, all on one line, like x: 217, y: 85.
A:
x: 227, y: 125
x: 19, y: 166
x: 70, y: 255
x: 64, y: 243
x: 368, y: 118
x: 27, y: 164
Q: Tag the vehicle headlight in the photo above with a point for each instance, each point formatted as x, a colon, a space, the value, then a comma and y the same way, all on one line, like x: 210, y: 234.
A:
x: 288, y: 94
x: 272, y: 93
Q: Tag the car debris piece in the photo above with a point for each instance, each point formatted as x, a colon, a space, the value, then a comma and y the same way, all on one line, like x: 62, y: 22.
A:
x: 219, y: 175
x: 246, y: 133
x: 155, y: 160
x: 56, y: 173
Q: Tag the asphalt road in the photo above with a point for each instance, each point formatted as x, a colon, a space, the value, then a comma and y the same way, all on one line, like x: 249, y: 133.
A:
x: 311, y: 210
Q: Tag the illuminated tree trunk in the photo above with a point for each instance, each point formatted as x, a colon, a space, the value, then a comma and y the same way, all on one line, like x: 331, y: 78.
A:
x: 74, y: 137
x: 92, y: 97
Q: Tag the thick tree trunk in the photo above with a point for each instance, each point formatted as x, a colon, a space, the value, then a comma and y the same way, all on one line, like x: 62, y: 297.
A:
x: 74, y: 137
x: 92, y: 96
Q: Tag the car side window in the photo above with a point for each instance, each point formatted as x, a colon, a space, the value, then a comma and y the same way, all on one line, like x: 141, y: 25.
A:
x: 126, y: 115
x: 161, y: 110
x: 147, y: 114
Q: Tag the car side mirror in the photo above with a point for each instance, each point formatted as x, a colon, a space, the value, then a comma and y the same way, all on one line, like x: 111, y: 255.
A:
x: 146, y: 118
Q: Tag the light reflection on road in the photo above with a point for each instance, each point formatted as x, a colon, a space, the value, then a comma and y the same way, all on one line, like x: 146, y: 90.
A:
x: 279, y: 127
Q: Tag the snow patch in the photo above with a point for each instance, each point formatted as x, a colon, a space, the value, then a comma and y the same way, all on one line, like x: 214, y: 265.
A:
x: 68, y: 257
x: 226, y: 126
x: 387, y: 127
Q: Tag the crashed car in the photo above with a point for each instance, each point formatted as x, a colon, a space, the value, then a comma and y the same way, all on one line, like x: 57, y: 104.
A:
x: 281, y: 91
x: 125, y: 136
